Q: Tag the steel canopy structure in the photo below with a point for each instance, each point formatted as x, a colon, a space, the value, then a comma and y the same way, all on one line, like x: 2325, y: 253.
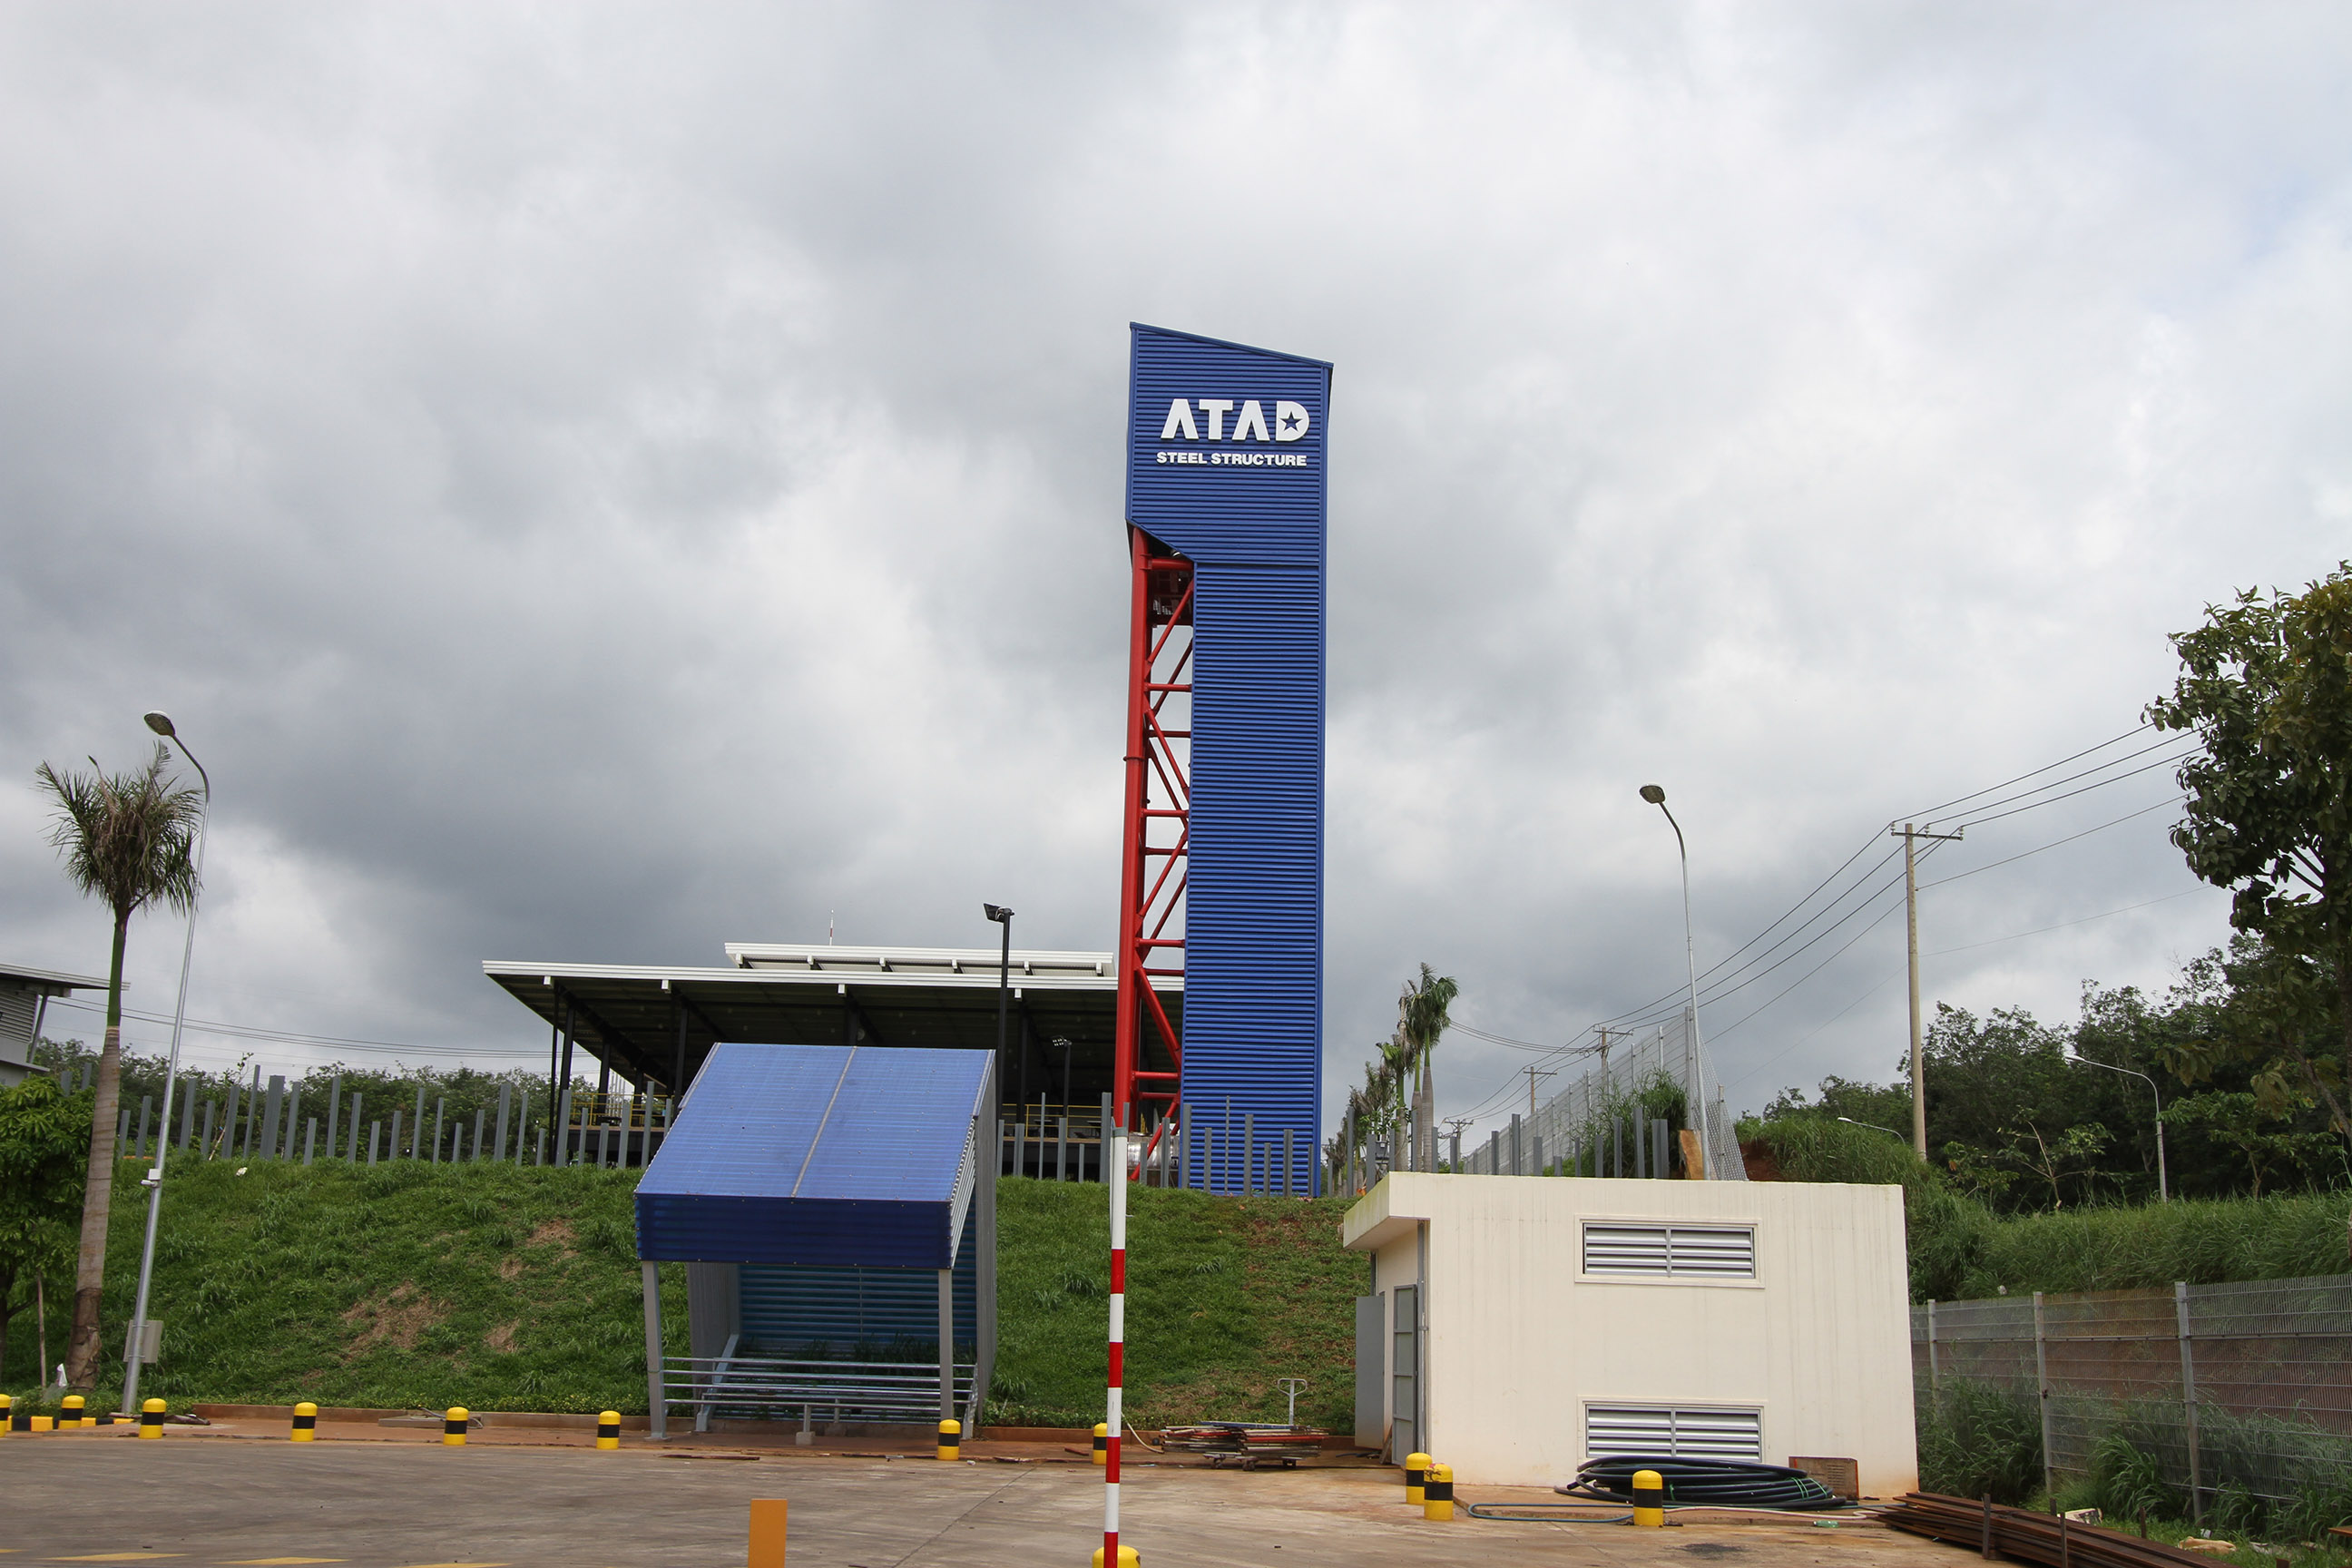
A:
x: 1220, y: 873
x: 656, y: 1024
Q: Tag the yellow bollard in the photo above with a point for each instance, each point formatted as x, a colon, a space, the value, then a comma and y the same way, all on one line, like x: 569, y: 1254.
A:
x: 8, y: 1415
x: 151, y: 1418
x: 306, y: 1423
x: 69, y: 1412
x: 1437, y: 1493
x: 767, y: 1546
x: 43, y: 1424
x: 1102, y: 1442
x: 1649, y: 1498
x: 1127, y: 1557
x: 453, y: 1427
x: 1416, y: 1475
x: 608, y: 1429
x: 950, y: 1440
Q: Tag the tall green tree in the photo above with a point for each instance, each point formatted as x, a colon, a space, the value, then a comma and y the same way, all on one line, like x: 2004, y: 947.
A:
x: 2267, y: 686
x: 127, y: 838
x: 40, y: 1190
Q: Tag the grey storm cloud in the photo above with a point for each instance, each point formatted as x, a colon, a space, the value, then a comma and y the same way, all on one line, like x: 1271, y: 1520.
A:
x: 598, y: 482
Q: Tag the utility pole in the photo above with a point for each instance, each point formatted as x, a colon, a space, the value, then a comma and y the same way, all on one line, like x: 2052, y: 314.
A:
x: 1910, y: 835
x: 1533, y: 1074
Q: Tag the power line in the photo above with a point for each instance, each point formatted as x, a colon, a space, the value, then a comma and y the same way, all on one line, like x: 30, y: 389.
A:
x: 2036, y: 806
x: 2054, y: 844
x: 1935, y: 810
x: 290, y: 1037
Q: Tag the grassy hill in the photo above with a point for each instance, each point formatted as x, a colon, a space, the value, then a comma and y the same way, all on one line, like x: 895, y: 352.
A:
x: 1959, y: 1249
x: 504, y: 1287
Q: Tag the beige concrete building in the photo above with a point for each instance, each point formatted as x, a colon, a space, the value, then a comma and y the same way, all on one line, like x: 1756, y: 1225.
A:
x: 1516, y: 1326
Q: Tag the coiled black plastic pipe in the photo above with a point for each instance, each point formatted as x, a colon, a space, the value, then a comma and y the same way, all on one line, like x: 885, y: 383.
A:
x: 1703, y: 1483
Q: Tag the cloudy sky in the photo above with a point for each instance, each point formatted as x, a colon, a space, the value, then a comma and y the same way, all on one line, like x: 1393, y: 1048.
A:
x: 596, y: 482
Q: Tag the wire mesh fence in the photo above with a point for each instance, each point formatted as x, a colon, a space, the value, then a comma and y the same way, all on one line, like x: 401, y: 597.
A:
x: 1600, y: 1125
x: 2237, y: 1390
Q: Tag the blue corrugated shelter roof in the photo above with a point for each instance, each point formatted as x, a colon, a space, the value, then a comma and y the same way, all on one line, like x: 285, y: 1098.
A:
x: 817, y: 1156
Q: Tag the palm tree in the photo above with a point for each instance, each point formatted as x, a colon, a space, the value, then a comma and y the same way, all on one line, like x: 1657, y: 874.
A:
x: 1422, y: 1014
x: 127, y: 838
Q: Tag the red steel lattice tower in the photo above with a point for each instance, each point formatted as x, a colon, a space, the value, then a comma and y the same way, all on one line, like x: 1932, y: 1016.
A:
x: 1155, y: 831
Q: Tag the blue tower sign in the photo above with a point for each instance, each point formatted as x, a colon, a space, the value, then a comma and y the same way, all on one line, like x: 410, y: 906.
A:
x: 1222, y: 856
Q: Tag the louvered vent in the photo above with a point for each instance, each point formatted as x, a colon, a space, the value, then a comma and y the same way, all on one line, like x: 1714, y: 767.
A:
x: 1661, y: 1251
x: 1662, y: 1430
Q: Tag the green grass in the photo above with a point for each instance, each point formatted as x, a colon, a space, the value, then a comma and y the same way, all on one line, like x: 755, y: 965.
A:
x: 402, y: 1285
x: 1960, y: 1250
x: 1225, y: 1295
x: 499, y: 1286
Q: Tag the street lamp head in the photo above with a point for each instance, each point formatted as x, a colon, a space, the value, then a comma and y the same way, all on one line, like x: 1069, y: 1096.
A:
x: 998, y: 913
x: 161, y: 724
x: 1653, y: 795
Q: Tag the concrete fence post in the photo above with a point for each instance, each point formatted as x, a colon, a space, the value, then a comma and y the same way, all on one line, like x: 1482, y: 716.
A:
x: 2189, y: 1398
x: 2041, y: 1383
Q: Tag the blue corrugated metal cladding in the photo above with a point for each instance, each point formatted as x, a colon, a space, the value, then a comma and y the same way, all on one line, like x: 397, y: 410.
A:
x: 819, y: 1155
x: 1225, y: 466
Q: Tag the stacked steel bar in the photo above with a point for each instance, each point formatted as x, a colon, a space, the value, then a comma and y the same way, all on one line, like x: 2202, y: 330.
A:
x: 2030, y: 1537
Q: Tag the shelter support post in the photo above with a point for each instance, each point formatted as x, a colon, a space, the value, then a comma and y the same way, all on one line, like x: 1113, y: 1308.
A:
x: 983, y: 1364
x: 656, y: 1409
x: 947, y: 1344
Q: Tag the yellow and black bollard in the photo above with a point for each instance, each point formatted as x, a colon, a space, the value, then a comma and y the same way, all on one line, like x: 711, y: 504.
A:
x: 453, y: 1427
x: 151, y: 1418
x: 1437, y: 1493
x: 8, y: 1415
x: 608, y: 1429
x: 1416, y: 1477
x: 306, y: 1423
x: 1102, y: 1442
x: 69, y: 1412
x: 950, y: 1440
x: 1649, y: 1498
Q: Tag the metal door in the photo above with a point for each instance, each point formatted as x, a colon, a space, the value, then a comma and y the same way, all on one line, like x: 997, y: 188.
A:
x: 1404, y: 1373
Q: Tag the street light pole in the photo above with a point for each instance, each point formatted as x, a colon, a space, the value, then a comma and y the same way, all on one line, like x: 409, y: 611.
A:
x: 161, y: 724
x: 1003, y: 917
x: 1656, y: 795
x: 1874, y: 1126
x: 2163, y: 1185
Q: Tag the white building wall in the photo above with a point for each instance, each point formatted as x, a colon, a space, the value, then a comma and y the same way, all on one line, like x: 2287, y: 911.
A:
x: 1519, y: 1339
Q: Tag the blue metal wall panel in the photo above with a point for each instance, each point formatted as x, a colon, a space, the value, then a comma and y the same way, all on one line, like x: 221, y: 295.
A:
x: 1253, y: 912
x: 812, y: 1155
x: 1250, y: 514
x: 1221, y: 494
x: 787, y: 1309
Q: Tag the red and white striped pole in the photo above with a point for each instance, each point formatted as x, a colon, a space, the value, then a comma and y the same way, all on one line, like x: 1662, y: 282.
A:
x: 1115, y: 1169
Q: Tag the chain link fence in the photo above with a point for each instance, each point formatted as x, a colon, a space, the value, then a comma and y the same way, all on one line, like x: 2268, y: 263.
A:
x: 2242, y: 1390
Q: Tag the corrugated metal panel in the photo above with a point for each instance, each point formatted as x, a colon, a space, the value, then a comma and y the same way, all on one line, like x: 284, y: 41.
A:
x: 795, y: 1310
x: 1666, y: 1431
x: 1723, y: 1252
x: 1225, y: 494
x: 1253, y: 916
x: 1247, y: 506
x: 815, y: 1155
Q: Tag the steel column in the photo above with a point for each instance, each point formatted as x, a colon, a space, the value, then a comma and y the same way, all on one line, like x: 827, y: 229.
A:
x: 1149, y: 897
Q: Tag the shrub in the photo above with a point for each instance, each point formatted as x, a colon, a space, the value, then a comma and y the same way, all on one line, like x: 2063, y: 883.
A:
x: 1979, y: 1437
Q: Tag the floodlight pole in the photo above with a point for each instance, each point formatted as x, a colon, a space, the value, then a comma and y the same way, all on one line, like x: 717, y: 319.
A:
x: 2163, y: 1186
x: 1003, y: 917
x: 161, y: 724
x: 1656, y: 796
